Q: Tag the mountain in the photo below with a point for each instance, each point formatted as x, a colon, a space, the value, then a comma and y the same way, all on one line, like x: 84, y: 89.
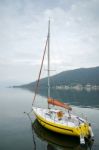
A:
x: 82, y: 76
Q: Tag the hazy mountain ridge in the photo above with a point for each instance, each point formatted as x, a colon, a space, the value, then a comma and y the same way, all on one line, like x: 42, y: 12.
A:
x: 71, y: 78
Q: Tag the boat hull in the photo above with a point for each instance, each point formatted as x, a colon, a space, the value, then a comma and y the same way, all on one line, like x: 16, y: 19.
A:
x: 56, y: 128
x: 63, y: 129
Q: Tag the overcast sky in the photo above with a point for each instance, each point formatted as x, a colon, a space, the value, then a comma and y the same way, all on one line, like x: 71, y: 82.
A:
x: 23, y: 31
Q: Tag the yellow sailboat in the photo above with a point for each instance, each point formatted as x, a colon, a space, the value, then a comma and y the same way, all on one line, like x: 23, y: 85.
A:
x: 59, y: 120
x: 56, y: 141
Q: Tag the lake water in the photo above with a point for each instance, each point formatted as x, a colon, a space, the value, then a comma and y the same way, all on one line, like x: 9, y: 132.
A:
x: 16, y: 132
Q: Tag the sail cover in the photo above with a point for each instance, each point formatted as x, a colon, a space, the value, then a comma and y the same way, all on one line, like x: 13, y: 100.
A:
x: 58, y: 103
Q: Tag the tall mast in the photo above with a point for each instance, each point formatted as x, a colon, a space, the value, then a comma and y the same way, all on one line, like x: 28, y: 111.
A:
x: 49, y: 59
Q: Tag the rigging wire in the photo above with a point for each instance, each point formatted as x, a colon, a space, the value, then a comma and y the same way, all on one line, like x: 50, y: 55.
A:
x: 37, y: 85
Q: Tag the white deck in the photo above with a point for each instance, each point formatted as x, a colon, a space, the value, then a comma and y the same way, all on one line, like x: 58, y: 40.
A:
x: 51, y: 115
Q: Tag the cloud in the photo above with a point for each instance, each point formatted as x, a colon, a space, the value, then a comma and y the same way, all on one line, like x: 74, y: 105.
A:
x: 23, y: 31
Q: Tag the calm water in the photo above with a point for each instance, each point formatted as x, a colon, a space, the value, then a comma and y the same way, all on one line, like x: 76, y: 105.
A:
x: 16, y: 132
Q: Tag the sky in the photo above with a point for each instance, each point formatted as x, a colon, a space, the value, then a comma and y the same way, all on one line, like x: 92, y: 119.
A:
x: 23, y: 32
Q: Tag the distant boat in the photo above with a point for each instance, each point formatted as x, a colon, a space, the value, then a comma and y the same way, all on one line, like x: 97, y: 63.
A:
x: 59, y: 120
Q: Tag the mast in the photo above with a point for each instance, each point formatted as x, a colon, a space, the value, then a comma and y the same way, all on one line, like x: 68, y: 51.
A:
x: 48, y: 59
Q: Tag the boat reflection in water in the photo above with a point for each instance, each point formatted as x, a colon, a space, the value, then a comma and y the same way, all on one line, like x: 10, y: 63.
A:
x: 57, y: 141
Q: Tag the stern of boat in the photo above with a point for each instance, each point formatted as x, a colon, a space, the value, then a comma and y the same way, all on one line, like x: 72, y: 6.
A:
x: 85, y: 132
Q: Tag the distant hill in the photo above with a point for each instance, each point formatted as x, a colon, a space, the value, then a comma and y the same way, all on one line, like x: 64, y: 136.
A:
x: 81, y: 76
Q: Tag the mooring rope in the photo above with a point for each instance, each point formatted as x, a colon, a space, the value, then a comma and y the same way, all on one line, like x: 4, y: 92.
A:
x: 32, y: 128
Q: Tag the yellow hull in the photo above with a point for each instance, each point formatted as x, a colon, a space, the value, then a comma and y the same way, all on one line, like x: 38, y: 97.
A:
x: 62, y: 129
